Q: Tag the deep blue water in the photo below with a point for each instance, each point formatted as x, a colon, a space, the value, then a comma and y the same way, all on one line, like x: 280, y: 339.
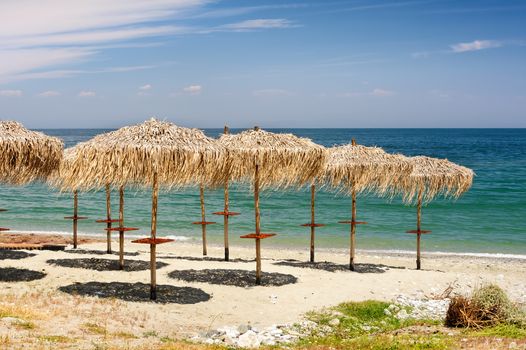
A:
x: 490, y: 218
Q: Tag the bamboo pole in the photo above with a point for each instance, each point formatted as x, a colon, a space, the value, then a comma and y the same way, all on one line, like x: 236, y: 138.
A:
x: 418, y: 225
x: 258, y: 240
x: 225, y: 223
x: 203, y: 217
x: 153, y: 266
x: 312, y: 220
x: 108, y: 217
x: 353, y: 230
x: 121, y: 224
x: 226, y: 130
x: 75, y: 215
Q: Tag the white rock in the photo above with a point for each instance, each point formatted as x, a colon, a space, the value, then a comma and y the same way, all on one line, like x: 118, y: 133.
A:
x: 249, y: 339
x: 334, y: 322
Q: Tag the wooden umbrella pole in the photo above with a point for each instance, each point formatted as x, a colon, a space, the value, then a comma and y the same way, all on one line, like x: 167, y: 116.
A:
x: 225, y: 223
x: 121, y: 224
x: 75, y: 215
x: 153, y: 266
x: 312, y: 228
x: 353, y: 229
x: 418, y: 222
x: 258, y: 241
x: 203, y: 216
x: 108, y: 217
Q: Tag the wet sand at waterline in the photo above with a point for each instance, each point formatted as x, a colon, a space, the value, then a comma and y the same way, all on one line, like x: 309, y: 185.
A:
x: 57, y: 307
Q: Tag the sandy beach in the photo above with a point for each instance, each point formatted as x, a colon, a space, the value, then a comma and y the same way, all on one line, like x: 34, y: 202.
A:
x: 205, y: 306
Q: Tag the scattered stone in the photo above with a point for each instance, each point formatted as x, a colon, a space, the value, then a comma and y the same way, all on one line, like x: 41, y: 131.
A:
x: 334, y: 322
x: 249, y: 339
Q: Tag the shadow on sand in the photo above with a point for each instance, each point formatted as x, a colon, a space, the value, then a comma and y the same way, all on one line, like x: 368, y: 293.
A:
x: 204, y: 258
x: 11, y: 274
x: 104, y: 264
x: 97, y: 252
x: 238, y: 278
x: 138, y: 292
x: 14, y: 254
x: 332, y: 267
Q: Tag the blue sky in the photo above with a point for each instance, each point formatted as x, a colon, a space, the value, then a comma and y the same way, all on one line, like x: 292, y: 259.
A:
x: 357, y: 63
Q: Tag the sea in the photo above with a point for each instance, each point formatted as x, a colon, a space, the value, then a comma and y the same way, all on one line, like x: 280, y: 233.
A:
x: 489, y: 220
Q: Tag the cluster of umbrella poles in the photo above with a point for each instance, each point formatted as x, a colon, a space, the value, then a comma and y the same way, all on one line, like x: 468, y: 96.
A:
x: 158, y: 154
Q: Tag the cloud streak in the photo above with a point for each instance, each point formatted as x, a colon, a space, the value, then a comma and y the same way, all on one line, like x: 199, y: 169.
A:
x: 475, y: 45
x: 10, y: 93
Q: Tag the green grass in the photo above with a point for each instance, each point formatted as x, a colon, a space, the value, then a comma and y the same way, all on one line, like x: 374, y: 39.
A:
x: 95, y: 328
x: 56, y: 339
x: 502, y: 330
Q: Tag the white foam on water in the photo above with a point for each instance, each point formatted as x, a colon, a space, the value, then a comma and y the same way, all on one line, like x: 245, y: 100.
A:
x: 95, y: 234
x: 439, y: 253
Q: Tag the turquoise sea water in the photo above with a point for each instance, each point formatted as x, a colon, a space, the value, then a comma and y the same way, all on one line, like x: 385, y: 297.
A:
x: 490, y: 218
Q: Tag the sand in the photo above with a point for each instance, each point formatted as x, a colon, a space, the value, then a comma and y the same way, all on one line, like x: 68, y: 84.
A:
x: 209, y: 306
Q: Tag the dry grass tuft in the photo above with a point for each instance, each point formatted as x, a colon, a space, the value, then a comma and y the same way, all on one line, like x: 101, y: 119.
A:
x: 488, y: 306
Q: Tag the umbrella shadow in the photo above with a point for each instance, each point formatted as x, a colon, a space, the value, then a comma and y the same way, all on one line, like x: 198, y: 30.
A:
x: 14, y: 255
x: 332, y: 267
x: 98, y: 252
x: 104, y: 264
x: 11, y: 274
x: 205, y: 258
x: 231, y: 277
x: 138, y: 292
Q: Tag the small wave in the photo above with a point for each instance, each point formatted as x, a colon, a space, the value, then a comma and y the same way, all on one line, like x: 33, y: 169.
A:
x: 440, y: 253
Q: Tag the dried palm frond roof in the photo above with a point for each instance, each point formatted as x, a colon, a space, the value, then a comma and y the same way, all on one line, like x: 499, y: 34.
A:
x: 283, y: 159
x: 435, y: 177
x: 26, y: 155
x: 364, y: 168
x: 133, y: 154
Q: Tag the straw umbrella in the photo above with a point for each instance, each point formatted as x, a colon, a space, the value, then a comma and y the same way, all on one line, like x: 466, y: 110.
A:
x: 26, y: 155
x: 226, y: 213
x: 269, y: 159
x: 354, y: 169
x: 151, y: 154
x: 430, y: 178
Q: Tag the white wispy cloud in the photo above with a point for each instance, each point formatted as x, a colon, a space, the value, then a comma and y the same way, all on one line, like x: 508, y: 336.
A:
x: 253, y: 24
x: 145, y: 87
x: 271, y: 93
x: 35, y: 36
x: 475, y: 45
x: 378, y: 92
x: 382, y: 92
x: 49, y: 93
x: 10, y: 93
x: 87, y: 93
x: 193, y: 89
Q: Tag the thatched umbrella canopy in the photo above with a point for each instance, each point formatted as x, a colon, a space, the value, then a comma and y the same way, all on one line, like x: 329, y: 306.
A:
x: 269, y: 159
x: 355, y: 168
x: 26, y: 155
x: 154, y: 153
x: 432, y: 177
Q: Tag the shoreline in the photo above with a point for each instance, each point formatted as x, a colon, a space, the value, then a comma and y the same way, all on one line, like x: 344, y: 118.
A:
x: 88, y: 237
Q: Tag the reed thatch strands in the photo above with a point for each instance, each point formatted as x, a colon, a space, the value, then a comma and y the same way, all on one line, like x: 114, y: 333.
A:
x: 154, y: 153
x: 27, y: 155
x: 432, y: 177
x: 270, y: 159
x: 130, y: 156
x: 354, y: 168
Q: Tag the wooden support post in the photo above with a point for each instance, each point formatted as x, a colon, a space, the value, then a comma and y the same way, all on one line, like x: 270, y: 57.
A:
x: 225, y: 223
x: 153, y: 265
x: 312, y: 220
x: 353, y: 230
x: 75, y: 215
x: 121, y: 224
x: 203, y: 217
x: 418, y: 225
x: 258, y: 229
x: 108, y: 217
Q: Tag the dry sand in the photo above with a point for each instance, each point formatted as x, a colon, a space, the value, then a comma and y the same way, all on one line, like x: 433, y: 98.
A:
x: 379, y: 276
